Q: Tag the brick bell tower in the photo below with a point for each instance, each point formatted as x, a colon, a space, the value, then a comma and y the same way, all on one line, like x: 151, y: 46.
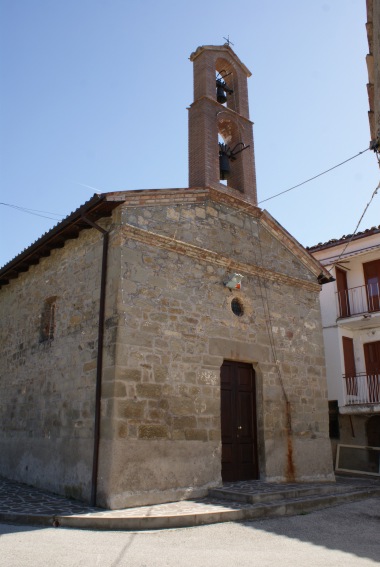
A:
x: 220, y: 130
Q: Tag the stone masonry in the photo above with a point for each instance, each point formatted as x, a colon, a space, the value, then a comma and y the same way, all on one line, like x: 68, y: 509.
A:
x: 175, y: 326
x: 47, y: 388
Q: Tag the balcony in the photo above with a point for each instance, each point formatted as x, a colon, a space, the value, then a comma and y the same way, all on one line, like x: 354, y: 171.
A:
x: 361, y: 389
x: 358, y: 300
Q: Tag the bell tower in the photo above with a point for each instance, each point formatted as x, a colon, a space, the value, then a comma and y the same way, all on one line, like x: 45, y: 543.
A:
x: 221, y: 152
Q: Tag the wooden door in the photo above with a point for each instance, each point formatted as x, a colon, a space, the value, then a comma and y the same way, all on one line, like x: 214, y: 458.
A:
x: 349, y: 366
x: 343, y: 300
x: 373, y: 431
x: 238, y: 422
x: 372, y: 280
x: 372, y: 365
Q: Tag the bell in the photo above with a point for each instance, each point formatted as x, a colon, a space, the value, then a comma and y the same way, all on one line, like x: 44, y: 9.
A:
x: 221, y: 94
x: 224, y: 166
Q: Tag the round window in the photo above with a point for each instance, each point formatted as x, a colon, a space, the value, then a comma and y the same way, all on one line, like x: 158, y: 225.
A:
x: 237, y: 307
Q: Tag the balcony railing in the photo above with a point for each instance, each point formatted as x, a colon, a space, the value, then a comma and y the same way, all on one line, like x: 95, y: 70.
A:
x: 362, y: 389
x: 358, y: 300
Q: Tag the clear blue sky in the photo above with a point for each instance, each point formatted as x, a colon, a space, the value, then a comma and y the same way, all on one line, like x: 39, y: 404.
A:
x: 94, y: 93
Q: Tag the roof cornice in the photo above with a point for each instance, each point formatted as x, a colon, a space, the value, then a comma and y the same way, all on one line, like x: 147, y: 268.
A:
x: 95, y: 208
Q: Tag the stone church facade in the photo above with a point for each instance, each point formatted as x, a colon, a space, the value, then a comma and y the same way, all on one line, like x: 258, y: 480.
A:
x: 135, y: 369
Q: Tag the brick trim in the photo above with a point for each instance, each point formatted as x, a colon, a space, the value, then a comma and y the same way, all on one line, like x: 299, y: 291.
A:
x: 180, y: 247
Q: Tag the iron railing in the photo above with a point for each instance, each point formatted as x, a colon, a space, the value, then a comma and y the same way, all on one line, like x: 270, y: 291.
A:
x: 357, y: 300
x: 362, y: 389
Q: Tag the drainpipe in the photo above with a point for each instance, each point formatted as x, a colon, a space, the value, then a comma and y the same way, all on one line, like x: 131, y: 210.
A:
x: 99, y: 364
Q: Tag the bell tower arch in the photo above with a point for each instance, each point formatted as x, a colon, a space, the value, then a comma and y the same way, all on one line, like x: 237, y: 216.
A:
x: 221, y: 151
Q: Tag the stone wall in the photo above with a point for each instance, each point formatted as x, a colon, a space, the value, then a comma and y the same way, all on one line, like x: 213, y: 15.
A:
x: 161, y: 405
x: 47, y: 386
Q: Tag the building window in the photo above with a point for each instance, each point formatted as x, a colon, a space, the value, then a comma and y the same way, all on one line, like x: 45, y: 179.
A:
x: 47, y: 328
x: 237, y: 307
x: 372, y: 281
x: 342, y: 289
x: 373, y: 431
x: 334, y: 419
x: 349, y: 376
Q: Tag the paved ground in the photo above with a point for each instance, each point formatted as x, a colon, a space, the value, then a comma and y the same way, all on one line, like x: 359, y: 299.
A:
x: 342, y: 536
x: 22, y: 499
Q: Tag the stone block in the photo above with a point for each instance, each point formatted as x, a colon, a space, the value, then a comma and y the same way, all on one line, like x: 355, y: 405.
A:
x: 188, y: 421
x: 88, y: 366
x: 129, y: 409
x: 149, y: 431
x: 122, y: 430
x: 113, y: 390
x: 149, y: 390
x: 160, y: 373
x: 181, y: 406
x: 196, y: 434
x: 131, y: 374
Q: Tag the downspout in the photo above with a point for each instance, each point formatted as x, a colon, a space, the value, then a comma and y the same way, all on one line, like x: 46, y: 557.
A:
x: 99, y: 364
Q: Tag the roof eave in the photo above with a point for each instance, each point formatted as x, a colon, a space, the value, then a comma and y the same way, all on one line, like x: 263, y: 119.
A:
x: 95, y: 208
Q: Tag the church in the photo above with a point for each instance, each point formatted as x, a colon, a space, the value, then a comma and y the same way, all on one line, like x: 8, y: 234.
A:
x: 157, y: 343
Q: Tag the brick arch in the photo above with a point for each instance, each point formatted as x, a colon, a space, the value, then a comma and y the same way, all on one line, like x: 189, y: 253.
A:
x: 223, y: 66
x: 231, y: 133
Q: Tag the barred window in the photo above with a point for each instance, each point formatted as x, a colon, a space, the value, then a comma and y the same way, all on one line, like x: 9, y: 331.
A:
x: 47, y: 328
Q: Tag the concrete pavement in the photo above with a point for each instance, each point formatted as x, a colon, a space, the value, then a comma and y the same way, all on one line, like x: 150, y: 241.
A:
x: 342, y: 536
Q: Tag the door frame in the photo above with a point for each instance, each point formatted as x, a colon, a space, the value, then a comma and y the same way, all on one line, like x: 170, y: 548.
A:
x: 233, y: 417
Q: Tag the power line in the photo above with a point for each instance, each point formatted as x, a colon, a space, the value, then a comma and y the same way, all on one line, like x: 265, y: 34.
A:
x: 357, y: 226
x: 311, y: 178
x: 34, y: 212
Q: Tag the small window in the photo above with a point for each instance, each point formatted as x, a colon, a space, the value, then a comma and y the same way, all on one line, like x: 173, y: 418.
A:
x: 237, y: 307
x: 47, y: 328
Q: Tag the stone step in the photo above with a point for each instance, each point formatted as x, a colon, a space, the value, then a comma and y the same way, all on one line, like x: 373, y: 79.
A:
x: 209, y: 511
x: 275, y: 492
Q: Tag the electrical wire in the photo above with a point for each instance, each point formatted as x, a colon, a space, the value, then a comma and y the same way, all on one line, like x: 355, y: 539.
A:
x: 357, y: 226
x: 311, y: 178
x: 35, y: 212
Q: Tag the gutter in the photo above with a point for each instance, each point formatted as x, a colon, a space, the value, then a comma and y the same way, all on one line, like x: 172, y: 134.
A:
x: 99, y: 363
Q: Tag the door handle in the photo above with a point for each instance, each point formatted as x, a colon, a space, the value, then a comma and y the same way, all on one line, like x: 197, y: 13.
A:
x: 240, y: 427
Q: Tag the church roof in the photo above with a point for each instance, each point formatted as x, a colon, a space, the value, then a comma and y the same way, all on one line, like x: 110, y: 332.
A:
x: 95, y: 208
x: 102, y: 205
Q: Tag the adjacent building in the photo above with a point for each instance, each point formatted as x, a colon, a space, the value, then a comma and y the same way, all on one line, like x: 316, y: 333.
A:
x: 351, y: 328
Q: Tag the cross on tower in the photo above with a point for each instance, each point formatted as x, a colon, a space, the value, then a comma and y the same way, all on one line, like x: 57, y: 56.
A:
x: 228, y: 42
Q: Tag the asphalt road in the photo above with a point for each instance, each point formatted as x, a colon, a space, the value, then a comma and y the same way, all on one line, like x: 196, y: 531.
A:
x: 344, y: 536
